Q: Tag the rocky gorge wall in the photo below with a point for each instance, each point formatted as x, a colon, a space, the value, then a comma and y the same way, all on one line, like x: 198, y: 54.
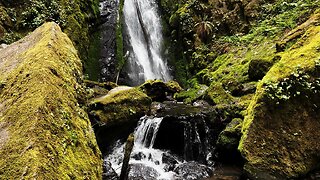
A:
x: 18, y: 18
x: 255, y: 61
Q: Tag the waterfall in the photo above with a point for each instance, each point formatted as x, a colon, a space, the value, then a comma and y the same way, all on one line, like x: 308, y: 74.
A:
x: 143, y: 151
x: 145, y: 38
x: 149, y: 162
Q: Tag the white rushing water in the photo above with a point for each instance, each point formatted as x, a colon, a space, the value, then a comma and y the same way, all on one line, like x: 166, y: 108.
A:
x: 145, y: 37
x: 145, y: 135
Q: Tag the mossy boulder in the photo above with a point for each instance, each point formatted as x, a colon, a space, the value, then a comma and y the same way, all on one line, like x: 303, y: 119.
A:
x: 45, y: 134
x: 120, y: 106
x: 281, y: 130
x: 159, y: 90
x: 228, y: 141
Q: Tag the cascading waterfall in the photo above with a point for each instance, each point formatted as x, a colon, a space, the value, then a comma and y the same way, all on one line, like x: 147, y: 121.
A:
x: 147, y: 162
x: 145, y: 37
x: 143, y: 151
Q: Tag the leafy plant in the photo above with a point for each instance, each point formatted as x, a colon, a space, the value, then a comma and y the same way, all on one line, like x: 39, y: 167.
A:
x: 298, y: 83
x: 204, y: 29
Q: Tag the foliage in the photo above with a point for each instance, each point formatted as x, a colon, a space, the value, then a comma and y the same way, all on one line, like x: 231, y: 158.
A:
x: 119, y: 38
x: 298, y: 83
x: 73, y: 16
x: 204, y: 29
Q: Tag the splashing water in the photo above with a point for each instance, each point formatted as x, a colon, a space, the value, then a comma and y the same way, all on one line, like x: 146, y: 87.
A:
x: 145, y: 38
x: 145, y: 135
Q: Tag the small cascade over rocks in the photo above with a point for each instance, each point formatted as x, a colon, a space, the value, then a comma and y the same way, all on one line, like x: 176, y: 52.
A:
x: 168, y: 147
x: 144, y: 31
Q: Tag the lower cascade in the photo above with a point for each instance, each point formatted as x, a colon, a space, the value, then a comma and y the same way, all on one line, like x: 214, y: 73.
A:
x: 148, y: 162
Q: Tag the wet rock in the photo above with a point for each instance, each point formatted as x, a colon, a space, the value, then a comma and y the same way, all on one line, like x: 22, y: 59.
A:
x: 281, y: 131
x: 140, y: 171
x: 258, y: 69
x: 108, y: 172
x: 170, y: 161
x: 228, y: 142
x: 106, y: 32
x: 193, y: 171
x: 160, y: 91
x: 116, y: 114
x: 186, y: 131
x: 138, y: 156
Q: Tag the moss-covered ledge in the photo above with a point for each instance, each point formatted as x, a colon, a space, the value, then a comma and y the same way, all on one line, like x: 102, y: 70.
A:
x: 45, y: 134
x: 281, y: 131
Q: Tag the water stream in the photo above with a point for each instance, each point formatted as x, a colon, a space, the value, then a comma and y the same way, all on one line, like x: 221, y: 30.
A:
x: 144, y: 30
x: 143, y: 153
x: 147, y: 162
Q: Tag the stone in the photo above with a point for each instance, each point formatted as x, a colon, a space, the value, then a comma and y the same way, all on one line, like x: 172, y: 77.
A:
x: 193, y: 171
x: 159, y: 90
x: 140, y: 171
x: 228, y: 142
x: 281, y: 129
x: 45, y: 133
x: 120, y: 105
x: 108, y: 172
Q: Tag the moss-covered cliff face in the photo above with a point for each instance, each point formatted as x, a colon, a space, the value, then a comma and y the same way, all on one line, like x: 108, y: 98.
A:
x: 258, y: 60
x: 45, y: 134
x: 281, y: 131
x: 17, y: 18
x: 201, y: 31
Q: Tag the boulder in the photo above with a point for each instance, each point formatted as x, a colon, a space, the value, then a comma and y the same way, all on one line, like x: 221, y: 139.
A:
x: 281, y: 130
x: 193, y: 171
x: 159, y: 90
x: 141, y: 171
x: 120, y: 106
x: 45, y: 134
x: 228, y: 141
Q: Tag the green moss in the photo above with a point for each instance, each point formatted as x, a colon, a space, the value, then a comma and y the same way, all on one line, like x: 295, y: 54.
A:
x: 230, y: 136
x: 285, y: 107
x: 49, y: 134
x: 120, y: 105
x: 119, y: 38
x: 192, y: 94
x: 73, y: 17
x: 92, y: 65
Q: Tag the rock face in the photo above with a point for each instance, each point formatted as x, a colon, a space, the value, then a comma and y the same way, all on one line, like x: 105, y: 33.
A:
x: 21, y: 17
x: 45, y: 134
x: 103, y: 47
x: 281, y: 131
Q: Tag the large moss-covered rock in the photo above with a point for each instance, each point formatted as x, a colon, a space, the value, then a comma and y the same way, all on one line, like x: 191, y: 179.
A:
x: 120, y: 106
x: 281, y: 131
x: 45, y: 134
